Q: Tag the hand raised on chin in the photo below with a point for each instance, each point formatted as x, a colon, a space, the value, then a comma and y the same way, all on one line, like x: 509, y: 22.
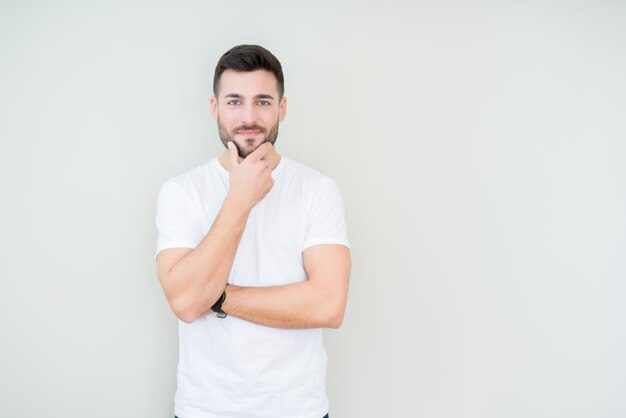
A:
x: 251, y: 177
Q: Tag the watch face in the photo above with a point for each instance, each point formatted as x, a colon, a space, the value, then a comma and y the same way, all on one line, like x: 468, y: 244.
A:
x: 221, y: 315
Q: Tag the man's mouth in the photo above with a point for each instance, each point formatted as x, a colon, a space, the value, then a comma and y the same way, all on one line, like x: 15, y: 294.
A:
x: 253, y: 129
x: 249, y: 132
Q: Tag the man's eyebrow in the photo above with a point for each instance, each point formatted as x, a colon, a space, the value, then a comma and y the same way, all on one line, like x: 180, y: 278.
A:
x: 258, y: 96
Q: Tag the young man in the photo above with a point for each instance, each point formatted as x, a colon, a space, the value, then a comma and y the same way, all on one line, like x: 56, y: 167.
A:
x: 253, y: 258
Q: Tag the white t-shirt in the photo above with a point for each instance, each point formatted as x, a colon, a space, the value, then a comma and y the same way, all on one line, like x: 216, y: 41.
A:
x: 231, y: 368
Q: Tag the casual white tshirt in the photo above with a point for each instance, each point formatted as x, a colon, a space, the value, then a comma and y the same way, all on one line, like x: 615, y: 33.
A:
x: 234, y: 368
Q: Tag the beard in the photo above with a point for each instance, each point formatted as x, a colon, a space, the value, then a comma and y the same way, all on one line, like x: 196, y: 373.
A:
x: 248, y: 146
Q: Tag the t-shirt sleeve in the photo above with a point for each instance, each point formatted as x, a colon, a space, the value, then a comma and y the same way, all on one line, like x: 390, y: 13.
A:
x: 327, y: 224
x: 176, y: 221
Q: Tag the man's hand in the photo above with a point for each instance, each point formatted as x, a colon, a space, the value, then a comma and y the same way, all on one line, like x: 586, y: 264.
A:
x: 250, y: 179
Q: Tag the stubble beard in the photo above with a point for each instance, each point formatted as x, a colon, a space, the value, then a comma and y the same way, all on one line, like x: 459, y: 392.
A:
x: 247, y: 149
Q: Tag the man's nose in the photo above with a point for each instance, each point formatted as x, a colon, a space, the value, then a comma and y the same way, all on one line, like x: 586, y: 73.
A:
x: 248, y: 115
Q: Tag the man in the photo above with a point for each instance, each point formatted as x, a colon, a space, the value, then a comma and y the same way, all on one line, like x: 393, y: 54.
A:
x: 253, y: 258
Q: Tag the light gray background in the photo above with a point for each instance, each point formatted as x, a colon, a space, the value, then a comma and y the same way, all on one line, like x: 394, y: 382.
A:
x: 479, y: 147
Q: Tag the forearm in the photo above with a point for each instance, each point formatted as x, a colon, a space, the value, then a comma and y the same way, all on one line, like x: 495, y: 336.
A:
x: 297, y: 305
x: 198, y: 279
x: 318, y: 302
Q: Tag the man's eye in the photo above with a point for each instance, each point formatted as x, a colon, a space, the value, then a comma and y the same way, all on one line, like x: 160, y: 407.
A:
x: 263, y: 103
x: 233, y: 102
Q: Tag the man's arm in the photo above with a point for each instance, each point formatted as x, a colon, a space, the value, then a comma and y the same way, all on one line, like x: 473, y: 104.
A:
x: 318, y: 302
x: 193, y: 279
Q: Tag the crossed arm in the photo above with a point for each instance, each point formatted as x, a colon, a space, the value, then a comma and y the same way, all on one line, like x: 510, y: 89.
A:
x: 318, y: 302
x: 193, y: 279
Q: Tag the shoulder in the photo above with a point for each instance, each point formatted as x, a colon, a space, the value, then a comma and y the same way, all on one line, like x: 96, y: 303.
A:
x: 315, y: 190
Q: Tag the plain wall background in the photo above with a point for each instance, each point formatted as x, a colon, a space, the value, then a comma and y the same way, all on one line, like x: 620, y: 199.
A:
x: 480, y: 150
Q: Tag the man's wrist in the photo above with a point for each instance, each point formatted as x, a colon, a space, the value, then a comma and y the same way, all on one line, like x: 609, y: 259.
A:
x: 238, y: 203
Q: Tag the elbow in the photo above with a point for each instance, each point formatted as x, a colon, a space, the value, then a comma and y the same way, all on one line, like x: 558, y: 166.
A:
x: 335, y: 323
x: 189, y: 307
x: 184, y: 312
x: 334, y: 317
x: 186, y: 317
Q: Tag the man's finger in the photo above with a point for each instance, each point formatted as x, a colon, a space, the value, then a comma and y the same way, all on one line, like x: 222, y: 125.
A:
x: 260, y: 152
x: 233, y: 153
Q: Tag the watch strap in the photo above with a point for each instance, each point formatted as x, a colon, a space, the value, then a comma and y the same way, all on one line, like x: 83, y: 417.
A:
x: 217, y: 307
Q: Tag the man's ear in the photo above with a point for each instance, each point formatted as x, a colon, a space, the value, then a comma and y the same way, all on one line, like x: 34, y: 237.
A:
x: 213, y: 103
x: 282, y: 112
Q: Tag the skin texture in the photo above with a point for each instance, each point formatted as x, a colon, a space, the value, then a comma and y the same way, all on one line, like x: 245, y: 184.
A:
x: 193, y: 279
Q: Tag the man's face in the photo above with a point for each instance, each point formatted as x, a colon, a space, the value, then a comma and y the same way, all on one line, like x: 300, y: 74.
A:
x: 248, y: 109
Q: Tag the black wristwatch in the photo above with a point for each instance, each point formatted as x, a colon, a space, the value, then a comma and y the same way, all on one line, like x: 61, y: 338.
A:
x: 217, y: 308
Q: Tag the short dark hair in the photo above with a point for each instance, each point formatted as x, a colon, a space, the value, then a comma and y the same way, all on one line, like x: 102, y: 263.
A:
x: 249, y: 58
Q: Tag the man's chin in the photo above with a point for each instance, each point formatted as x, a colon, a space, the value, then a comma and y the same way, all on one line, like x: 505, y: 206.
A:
x: 246, y: 149
x: 247, y: 146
